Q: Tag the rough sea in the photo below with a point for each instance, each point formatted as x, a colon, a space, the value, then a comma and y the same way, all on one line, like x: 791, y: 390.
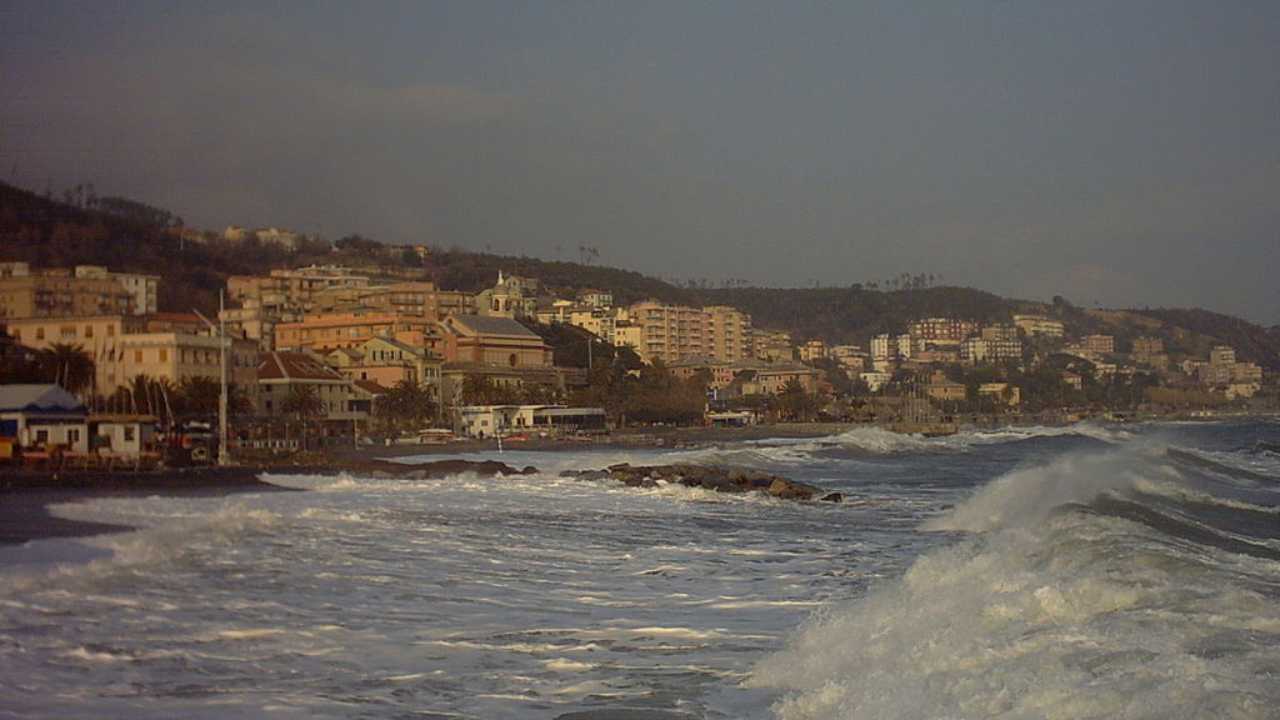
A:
x: 1084, y: 572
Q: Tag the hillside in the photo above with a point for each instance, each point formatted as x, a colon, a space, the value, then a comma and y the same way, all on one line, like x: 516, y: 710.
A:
x: 134, y: 237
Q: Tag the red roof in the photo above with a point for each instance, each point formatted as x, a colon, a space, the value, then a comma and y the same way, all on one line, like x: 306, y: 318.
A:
x: 293, y: 366
x: 371, y: 387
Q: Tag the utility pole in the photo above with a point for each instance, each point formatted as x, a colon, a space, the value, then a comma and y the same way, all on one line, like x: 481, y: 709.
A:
x: 224, y: 455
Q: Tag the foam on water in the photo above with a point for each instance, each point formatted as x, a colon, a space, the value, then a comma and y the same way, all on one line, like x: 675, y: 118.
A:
x: 1080, y: 586
x: 1048, y: 613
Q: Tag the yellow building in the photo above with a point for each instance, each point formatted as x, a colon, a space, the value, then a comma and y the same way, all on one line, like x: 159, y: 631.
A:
x: 670, y: 332
x: 123, y: 346
x: 729, y: 336
x: 388, y: 362
x: 176, y: 357
x: 279, y: 373
x: 812, y: 350
x: 145, y: 289
x: 62, y: 295
x: 772, y: 345
x: 773, y: 379
x: 1039, y: 325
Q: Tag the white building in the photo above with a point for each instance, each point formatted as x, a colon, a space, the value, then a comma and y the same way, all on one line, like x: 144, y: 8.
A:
x: 43, y: 417
x: 489, y: 421
x: 143, y: 289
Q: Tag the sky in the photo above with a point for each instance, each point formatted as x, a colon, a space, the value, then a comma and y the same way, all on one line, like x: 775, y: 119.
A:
x: 1120, y: 154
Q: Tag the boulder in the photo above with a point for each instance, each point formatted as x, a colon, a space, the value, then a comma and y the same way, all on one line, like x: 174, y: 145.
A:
x: 709, y: 477
x: 443, y: 468
x: 792, y: 490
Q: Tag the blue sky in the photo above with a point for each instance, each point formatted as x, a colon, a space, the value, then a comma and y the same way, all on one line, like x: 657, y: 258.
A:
x: 1121, y: 154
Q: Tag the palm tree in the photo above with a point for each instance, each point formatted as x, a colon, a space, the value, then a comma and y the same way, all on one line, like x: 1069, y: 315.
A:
x: 149, y: 396
x: 67, y: 365
x: 304, y: 402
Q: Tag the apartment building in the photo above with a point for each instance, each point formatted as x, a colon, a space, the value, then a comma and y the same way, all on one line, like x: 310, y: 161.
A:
x: 145, y: 289
x: 1148, y: 346
x: 937, y: 329
x: 1039, y: 325
x: 850, y: 357
x: 295, y: 287
x: 166, y: 346
x: 812, y: 350
x: 596, y: 320
x: 321, y: 333
x: 57, y: 294
x: 772, y: 345
x: 981, y: 349
x: 999, y: 332
x: 1222, y: 355
x: 773, y: 379
x: 883, y: 347
x: 388, y: 362
x: 1150, y: 351
x: 1099, y: 344
x: 595, y: 298
x: 674, y: 332
x: 279, y: 373
x: 406, y: 298
x: 175, y: 357
x: 669, y: 332
x: 729, y: 337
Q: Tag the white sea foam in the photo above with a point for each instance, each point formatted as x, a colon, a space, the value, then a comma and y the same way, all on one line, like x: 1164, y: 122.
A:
x: 1027, y: 496
x: 1044, y: 615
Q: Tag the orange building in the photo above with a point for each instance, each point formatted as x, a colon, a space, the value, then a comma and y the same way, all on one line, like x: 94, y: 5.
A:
x: 492, y: 341
x: 321, y: 333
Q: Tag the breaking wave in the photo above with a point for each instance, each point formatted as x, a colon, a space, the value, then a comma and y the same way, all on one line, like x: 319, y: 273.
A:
x: 1122, y: 583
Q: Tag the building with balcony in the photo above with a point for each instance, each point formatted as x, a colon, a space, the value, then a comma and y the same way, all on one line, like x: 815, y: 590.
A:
x: 321, y: 333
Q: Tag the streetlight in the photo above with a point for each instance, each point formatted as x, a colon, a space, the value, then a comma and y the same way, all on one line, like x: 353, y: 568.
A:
x: 224, y: 456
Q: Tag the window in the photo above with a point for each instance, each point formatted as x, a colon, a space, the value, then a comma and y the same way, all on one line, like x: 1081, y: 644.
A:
x: 67, y: 331
x: 111, y: 331
x: 137, y: 356
x: 42, y: 437
x: 39, y: 333
x: 73, y: 436
x: 129, y: 433
x: 164, y: 355
x: 88, y: 331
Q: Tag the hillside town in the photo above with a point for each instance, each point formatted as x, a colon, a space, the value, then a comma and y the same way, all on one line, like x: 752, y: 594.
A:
x: 332, y: 355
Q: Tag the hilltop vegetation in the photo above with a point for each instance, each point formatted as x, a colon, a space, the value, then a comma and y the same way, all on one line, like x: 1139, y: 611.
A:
x: 134, y: 237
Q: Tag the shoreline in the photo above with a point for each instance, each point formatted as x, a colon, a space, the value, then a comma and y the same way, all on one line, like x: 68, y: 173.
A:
x: 25, y: 498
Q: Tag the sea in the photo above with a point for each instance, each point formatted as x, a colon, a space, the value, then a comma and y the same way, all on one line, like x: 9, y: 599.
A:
x: 1091, y: 571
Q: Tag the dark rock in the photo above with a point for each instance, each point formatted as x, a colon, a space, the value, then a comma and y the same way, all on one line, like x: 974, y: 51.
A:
x: 440, y: 469
x: 714, y: 478
x: 626, y: 714
x: 834, y: 497
x: 792, y: 490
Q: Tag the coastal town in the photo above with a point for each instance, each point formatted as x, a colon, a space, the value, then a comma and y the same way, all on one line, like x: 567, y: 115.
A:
x: 339, y: 356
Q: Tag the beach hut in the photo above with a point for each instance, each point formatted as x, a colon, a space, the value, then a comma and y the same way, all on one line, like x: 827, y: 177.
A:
x: 41, y: 418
